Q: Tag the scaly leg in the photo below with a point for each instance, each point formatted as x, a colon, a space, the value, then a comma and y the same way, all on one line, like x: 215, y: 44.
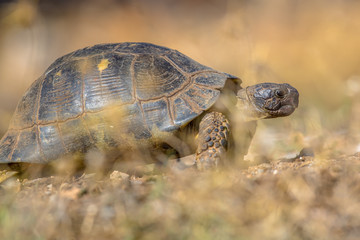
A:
x: 212, y: 140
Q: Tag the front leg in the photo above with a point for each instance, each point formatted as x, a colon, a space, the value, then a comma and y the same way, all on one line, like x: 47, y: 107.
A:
x: 212, y: 140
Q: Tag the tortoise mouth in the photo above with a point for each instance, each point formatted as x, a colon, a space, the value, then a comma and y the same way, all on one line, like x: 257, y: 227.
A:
x: 283, y: 111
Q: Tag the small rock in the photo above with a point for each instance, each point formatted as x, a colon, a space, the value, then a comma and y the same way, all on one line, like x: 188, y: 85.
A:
x: 49, y: 189
x: 116, y: 175
x: 306, y: 152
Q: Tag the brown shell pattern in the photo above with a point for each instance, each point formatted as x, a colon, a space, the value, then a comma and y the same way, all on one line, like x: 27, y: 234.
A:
x: 106, y: 95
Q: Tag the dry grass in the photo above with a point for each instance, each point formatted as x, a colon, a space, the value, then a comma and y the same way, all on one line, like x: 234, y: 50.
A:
x: 313, y: 46
x: 304, y: 199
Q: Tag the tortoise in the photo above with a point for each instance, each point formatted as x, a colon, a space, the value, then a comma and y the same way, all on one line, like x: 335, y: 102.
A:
x: 130, y: 94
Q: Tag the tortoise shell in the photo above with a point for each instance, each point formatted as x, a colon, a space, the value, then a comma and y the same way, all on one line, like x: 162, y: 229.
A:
x: 108, y: 94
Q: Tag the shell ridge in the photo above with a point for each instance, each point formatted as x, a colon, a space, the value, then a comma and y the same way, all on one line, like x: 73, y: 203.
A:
x: 14, y: 146
x: 61, y: 136
x: 170, y: 110
x: 87, y: 129
x: 143, y: 116
x: 39, y: 143
x: 132, y: 74
x: 175, y: 65
x: 61, y: 121
x: 38, y: 101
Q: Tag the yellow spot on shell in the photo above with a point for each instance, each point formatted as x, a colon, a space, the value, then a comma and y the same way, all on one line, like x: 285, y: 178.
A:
x: 57, y: 78
x: 103, y: 65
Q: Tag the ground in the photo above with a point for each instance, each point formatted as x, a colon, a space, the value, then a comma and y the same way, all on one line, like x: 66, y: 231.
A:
x: 300, y: 198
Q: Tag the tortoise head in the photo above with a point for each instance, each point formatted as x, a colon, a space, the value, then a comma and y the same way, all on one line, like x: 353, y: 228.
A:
x: 267, y: 100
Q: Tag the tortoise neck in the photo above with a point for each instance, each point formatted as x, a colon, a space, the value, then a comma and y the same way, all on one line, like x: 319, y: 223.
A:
x: 245, y: 109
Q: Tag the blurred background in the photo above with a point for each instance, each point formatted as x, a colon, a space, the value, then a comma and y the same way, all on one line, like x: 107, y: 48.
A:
x: 313, y: 45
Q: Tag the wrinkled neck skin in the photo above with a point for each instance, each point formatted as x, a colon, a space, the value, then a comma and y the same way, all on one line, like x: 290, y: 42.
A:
x: 246, y: 110
x: 236, y: 109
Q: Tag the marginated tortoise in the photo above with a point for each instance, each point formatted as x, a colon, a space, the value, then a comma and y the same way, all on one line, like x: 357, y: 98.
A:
x: 133, y: 94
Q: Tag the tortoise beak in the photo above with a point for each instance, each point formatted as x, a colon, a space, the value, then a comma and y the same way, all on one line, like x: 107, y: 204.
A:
x: 293, y: 96
x: 289, y: 103
x: 296, y: 99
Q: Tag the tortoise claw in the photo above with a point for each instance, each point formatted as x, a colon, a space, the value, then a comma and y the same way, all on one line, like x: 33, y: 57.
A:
x: 208, y: 160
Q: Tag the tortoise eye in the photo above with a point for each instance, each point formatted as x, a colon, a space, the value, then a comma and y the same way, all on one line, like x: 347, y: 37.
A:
x: 280, y: 93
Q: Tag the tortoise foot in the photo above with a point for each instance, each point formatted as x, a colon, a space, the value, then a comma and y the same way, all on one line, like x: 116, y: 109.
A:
x: 212, y: 140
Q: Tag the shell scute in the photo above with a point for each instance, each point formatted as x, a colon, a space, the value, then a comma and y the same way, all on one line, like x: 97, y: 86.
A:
x: 61, y: 94
x: 25, y: 113
x: 110, y: 85
x: 78, y: 140
x: 157, y: 115
x: 7, y: 145
x: 51, y: 141
x: 183, y: 112
x: 27, y: 148
x: 154, y: 77
x: 211, y: 79
x: 185, y: 63
x: 204, y: 98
